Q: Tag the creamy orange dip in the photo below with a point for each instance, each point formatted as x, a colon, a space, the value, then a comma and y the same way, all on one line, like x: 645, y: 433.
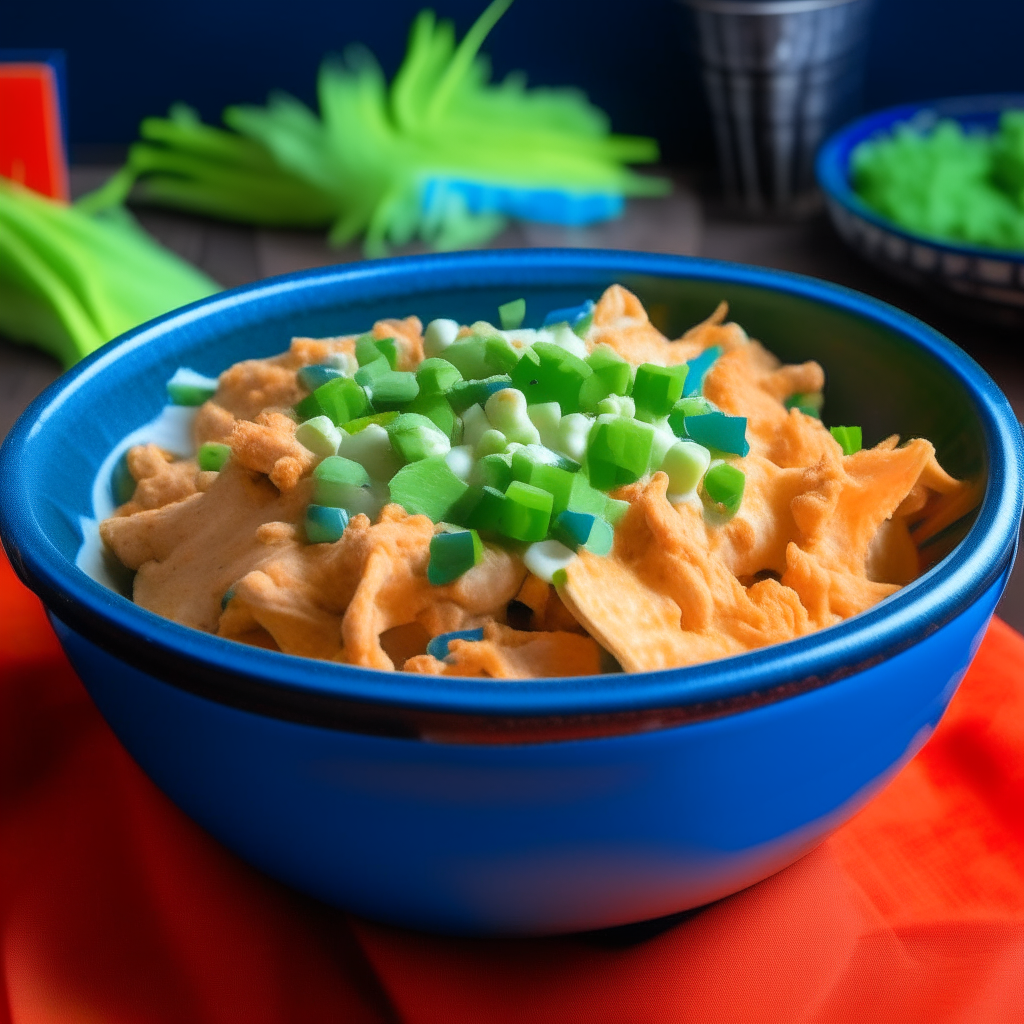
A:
x: 818, y: 536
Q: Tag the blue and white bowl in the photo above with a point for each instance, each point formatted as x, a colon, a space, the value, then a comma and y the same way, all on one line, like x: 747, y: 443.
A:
x: 540, y: 805
x: 981, y: 282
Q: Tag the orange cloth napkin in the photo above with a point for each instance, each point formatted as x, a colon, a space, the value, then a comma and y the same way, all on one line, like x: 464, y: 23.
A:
x: 115, y: 907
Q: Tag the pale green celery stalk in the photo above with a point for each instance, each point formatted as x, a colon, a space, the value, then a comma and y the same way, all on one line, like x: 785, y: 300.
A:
x: 70, y: 281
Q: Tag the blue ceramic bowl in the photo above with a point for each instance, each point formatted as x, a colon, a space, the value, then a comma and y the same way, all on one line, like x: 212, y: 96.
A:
x: 980, y: 282
x: 468, y: 805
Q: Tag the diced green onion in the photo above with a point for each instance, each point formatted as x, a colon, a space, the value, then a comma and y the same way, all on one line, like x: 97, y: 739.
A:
x: 493, y: 471
x: 460, y: 461
x: 492, y: 442
x: 512, y: 314
x: 369, y: 350
x: 187, y: 387
x: 371, y: 448
x: 315, y: 376
x: 438, y: 336
x: 619, y: 451
x: 479, y: 358
x: 319, y: 435
x: 227, y: 597
x: 367, y: 374
x: 574, y: 316
x: 810, y: 403
x: 617, y: 405
x: 724, y: 484
x: 486, y: 511
x: 546, y: 417
x: 427, y: 487
x: 573, y: 431
x: 452, y: 554
x: 122, y: 483
x: 615, y: 509
x: 716, y: 430
x: 438, y: 410
x: 584, y: 530
x: 325, y: 524
x: 438, y: 646
x: 212, y: 456
x: 850, y: 439
x: 334, y: 478
x: 699, y: 366
x: 463, y: 394
x: 507, y: 412
x: 585, y: 497
x: 415, y: 437
x: 526, y: 512
x: 436, y: 376
x: 557, y: 482
x: 382, y: 419
x: 341, y: 400
x: 694, y: 406
x: 548, y: 373
x: 685, y: 463
x: 547, y: 557
x: 393, y: 389
x: 612, y: 376
x: 656, y: 389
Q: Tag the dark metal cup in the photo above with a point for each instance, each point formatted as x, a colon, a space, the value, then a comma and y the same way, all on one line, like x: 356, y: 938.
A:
x: 779, y: 75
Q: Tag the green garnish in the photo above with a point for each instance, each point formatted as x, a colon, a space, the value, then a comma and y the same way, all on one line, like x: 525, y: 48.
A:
x: 212, y: 456
x: 724, y: 484
x: 512, y: 314
x: 187, y: 387
x: 452, y: 554
x: 324, y: 525
x: 850, y: 438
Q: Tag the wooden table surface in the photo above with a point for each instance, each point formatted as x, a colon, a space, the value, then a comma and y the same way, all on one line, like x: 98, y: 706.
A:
x: 682, y: 224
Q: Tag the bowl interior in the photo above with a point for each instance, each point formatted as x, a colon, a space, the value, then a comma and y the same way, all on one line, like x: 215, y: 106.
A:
x: 885, y: 372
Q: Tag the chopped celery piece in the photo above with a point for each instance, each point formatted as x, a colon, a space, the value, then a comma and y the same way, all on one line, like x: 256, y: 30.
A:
x: 699, y: 366
x: 685, y: 463
x: 557, y: 482
x: 367, y: 374
x: 492, y: 442
x: 427, y: 487
x: 506, y: 410
x: 526, y: 512
x: 416, y: 437
x: 438, y: 646
x: 656, y: 389
x: 486, y: 511
x: 724, y: 484
x: 309, y: 408
x: 546, y: 417
x: 585, y: 497
x: 716, y: 430
x: 573, y: 431
x: 393, y: 389
x: 694, y: 406
x: 850, y: 439
x: 460, y: 461
x: 583, y: 530
x: 334, y: 480
x: 341, y: 399
x: 615, y: 509
x: 436, y: 376
x: 212, y: 456
x: 315, y: 376
x: 612, y: 376
x: 438, y: 336
x: 371, y: 448
x: 437, y: 409
x: 187, y: 387
x: 619, y: 451
x: 548, y: 373
x: 380, y: 418
x: 512, y: 314
x: 547, y: 557
x: 617, y: 405
x: 369, y: 350
x: 478, y: 358
x: 493, y: 471
x: 325, y: 524
x: 463, y: 394
x: 319, y: 435
x: 808, y: 402
x: 452, y: 554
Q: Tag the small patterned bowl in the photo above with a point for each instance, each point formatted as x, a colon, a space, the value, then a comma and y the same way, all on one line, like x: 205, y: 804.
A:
x: 980, y: 282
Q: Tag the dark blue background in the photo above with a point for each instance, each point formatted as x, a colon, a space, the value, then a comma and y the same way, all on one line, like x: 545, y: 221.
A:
x: 127, y: 59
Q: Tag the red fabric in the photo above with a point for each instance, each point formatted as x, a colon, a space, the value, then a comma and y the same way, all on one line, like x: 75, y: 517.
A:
x: 114, y: 907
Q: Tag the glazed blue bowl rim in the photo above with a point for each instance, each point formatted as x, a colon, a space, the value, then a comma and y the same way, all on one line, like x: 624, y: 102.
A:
x: 833, y: 163
x: 895, y: 624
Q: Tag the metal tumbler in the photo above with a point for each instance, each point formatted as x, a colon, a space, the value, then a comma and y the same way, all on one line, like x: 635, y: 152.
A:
x: 779, y: 75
